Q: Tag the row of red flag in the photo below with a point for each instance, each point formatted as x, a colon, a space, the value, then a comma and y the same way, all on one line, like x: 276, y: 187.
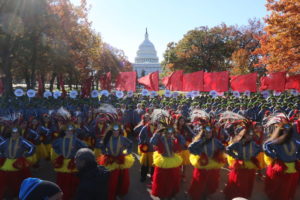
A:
x: 198, y: 81
x: 205, y: 81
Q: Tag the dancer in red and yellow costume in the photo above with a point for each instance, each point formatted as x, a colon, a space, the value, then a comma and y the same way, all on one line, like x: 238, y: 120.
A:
x: 166, y: 160
x: 243, y: 159
x: 146, y: 130
x: 207, y: 157
x: 62, y: 155
x: 184, y: 129
x: 15, y: 158
x: 117, y: 158
x: 282, y: 154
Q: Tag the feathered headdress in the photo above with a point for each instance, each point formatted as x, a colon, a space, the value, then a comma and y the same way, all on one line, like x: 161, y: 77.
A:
x: 11, y: 117
x: 236, y: 120
x: 107, y: 113
x: 276, y: 118
x: 62, y: 112
x: 199, y: 115
x: 159, y: 114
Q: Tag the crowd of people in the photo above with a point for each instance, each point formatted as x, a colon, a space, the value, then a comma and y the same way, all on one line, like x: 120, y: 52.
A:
x: 90, y: 144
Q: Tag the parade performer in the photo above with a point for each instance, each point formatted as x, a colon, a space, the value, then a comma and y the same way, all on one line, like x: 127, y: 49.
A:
x: 184, y: 129
x: 117, y: 158
x: 282, y: 154
x: 146, y: 130
x: 15, y: 159
x: 207, y: 157
x: 167, y: 161
x: 242, y: 158
x: 62, y: 155
x: 106, y: 115
x: 47, y: 133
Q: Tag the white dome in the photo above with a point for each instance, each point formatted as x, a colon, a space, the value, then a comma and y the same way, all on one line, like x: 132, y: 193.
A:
x: 146, y: 52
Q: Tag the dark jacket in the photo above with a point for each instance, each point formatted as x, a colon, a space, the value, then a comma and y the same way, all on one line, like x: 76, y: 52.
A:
x: 93, y: 183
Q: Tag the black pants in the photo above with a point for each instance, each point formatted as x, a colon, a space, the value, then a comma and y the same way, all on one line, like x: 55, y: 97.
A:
x: 144, y: 172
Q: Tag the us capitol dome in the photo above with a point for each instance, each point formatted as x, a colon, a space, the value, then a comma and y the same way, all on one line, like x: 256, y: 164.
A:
x: 146, y: 60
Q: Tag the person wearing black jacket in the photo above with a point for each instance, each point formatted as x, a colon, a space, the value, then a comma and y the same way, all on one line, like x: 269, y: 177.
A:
x: 93, y: 178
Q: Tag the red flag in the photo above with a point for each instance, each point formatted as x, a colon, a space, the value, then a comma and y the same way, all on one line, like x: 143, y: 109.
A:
x: 217, y: 81
x: 245, y: 82
x: 86, y: 87
x: 1, y: 86
x: 274, y: 81
x: 174, y: 81
x: 105, y: 81
x: 40, y: 86
x: 193, y: 81
x: 150, y: 81
x: 62, y: 85
x: 126, y: 81
x: 293, y: 82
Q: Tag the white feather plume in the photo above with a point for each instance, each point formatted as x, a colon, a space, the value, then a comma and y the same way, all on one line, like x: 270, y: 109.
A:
x: 10, y: 117
x: 106, y: 108
x: 63, y: 113
x: 274, y: 119
x: 228, y: 115
x: 158, y: 114
x: 197, y: 113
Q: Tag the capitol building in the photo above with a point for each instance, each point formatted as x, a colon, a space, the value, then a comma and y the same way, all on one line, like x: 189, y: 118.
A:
x: 146, y: 60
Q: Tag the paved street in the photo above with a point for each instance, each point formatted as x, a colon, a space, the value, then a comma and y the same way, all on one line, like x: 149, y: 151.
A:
x: 142, y: 191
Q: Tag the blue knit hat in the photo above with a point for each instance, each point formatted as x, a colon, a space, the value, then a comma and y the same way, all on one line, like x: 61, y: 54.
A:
x: 27, y: 186
x: 34, y: 188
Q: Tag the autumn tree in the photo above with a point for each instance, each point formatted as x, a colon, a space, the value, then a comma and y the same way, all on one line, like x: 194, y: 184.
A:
x: 51, y: 40
x: 280, y: 46
x: 215, y: 49
x: 242, y: 59
x: 201, y: 49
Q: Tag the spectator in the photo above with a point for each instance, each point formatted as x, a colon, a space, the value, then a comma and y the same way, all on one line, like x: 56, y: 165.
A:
x: 37, y: 189
x: 93, y: 178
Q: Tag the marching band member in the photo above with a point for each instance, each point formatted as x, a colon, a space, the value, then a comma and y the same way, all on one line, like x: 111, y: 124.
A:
x: 243, y: 159
x: 145, y: 148
x: 15, y: 159
x: 183, y: 129
x: 282, y: 155
x: 62, y: 155
x: 117, y: 158
x: 167, y: 161
x: 207, y: 158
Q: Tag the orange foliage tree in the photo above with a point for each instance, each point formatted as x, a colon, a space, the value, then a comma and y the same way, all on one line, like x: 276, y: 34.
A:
x: 280, y: 46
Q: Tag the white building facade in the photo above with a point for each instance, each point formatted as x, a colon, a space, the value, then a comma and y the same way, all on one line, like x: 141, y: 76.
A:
x: 146, y: 60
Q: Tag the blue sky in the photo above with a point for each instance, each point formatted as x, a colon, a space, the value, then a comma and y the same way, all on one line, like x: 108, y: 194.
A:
x: 122, y: 23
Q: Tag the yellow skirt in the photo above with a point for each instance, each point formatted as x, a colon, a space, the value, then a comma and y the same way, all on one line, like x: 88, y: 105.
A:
x: 146, y: 159
x: 166, y: 162
x: 41, y: 151
x: 291, y: 168
x: 64, y: 168
x: 247, y: 164
x: 185, y: 155
x: 212, y: 164
x: 129, y: 160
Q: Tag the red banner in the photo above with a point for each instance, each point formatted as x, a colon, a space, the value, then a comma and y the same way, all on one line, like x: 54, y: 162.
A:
x: 62, y: 86
x: 274, y: 81
x: 86, y: 87
x: 150, y: 81
x: 243, y: 83
x: 174, y: 81
x: 193, y: 81
x: 293, y: 82
x: 217, y: 81
x: 126, y: 81
x: 105, y: 81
